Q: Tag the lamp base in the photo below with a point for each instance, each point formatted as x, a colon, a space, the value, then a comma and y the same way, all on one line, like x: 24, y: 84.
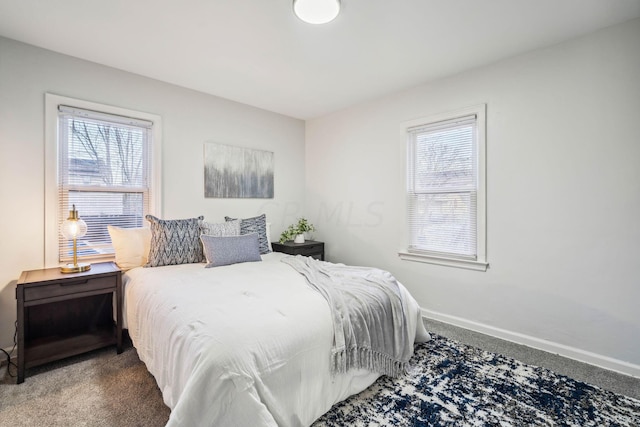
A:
x: 75, y: 268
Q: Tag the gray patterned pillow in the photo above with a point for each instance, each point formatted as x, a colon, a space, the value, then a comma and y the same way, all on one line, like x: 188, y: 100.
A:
x: 226, y: 250
x: 229, y: 228
x: 257, y: 224
x: 175, y: 241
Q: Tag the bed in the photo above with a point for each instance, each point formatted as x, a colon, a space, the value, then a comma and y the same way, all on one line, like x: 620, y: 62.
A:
x: 245, y: 344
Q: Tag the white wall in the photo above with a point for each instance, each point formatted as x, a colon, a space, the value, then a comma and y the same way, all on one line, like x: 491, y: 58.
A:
x: 563, y: 147
x: 563, y: 183
x: 189, y: 119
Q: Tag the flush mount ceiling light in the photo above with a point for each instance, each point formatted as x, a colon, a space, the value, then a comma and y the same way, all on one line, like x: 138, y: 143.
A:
x: 316, y: 11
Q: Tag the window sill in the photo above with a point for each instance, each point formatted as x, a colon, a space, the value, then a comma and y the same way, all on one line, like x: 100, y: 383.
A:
x: 449, y: 262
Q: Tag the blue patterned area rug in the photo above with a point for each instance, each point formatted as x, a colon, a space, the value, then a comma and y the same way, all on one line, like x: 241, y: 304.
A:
x: 450, y: 384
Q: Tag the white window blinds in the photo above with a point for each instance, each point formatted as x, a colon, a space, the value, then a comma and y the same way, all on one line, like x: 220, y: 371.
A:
x: 104, y: 169
x: 443, y: 188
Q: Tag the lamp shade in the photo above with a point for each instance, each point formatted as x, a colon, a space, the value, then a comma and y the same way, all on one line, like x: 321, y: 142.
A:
x: 73, y: 228
x: 316, y: 11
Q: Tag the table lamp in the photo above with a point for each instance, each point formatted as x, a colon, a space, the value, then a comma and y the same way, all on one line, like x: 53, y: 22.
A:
x: 73, y: 228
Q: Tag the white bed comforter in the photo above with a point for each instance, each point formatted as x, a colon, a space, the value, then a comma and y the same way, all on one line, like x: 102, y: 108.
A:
x: 241, y: 345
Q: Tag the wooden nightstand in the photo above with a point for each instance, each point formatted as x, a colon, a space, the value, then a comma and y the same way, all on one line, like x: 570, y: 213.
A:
x: 308, y: 248
x: 61, y: 315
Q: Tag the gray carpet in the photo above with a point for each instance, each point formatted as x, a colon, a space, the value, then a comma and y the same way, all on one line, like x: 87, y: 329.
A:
x: 98, y: 389
x: 105, y: 389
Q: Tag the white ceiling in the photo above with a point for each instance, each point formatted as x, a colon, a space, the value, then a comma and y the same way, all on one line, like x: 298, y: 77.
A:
x: 258, y: 53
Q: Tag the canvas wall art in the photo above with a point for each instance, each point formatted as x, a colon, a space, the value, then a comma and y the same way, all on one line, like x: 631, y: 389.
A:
x: 237, y: 172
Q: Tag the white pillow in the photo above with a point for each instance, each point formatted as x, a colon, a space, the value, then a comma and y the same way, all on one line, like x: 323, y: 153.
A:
x: 131, y: 246
x: 228, y: 228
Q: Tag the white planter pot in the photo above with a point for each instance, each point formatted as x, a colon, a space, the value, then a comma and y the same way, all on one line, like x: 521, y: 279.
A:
x: 299, y: 238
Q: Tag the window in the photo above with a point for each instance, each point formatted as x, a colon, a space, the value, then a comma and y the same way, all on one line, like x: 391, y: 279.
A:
x: 446, y: 189
x: 104, y: 166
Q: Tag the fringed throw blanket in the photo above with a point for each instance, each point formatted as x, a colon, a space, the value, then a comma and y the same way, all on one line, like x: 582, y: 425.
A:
x: 369, y: 324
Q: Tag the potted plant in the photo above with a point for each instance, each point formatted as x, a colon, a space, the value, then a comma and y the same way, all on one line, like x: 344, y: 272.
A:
x: 296, y: 231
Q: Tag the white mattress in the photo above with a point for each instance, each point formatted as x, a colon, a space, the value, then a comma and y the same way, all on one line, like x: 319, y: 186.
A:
x: 240, y: 345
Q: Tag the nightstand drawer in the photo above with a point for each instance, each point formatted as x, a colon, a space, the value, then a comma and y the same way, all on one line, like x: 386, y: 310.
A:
x: 310, y: 249
x: 68, y: 288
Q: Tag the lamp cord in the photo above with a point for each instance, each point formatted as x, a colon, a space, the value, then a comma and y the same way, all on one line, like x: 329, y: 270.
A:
x: 9, y: 362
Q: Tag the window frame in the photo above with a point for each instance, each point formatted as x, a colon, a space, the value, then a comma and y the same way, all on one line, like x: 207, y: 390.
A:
x: 52, y: 209
x: 480, y: 263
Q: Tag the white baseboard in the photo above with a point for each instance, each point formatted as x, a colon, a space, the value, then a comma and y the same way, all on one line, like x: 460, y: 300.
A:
x: 538, y: 343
